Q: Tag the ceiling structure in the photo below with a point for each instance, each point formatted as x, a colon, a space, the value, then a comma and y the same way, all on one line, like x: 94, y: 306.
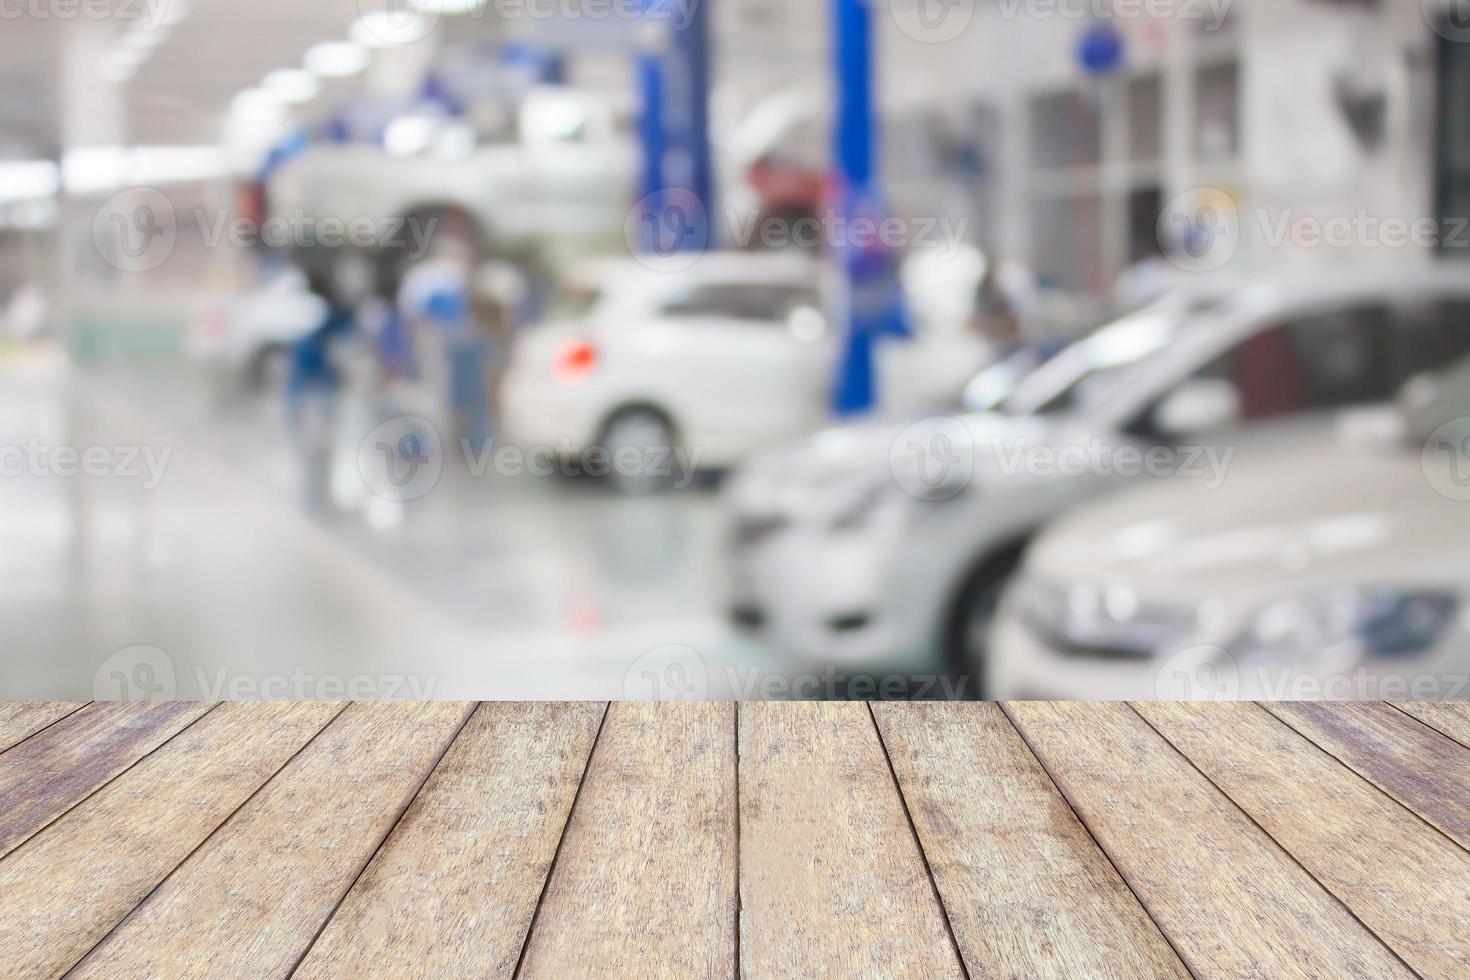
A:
x: 181, y: 93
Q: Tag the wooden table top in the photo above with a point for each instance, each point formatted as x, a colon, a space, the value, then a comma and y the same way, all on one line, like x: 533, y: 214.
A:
x: 710, y: 840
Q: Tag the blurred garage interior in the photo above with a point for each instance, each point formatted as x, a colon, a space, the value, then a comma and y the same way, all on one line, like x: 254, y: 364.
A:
x: 661, y: 348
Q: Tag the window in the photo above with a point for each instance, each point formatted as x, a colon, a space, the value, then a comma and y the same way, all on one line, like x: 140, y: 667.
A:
x: 1328, y: 360
x: 1452, y: 152
x: 1431, y: 336
x: 1066, y: 131
x: 763, y: 302
x: 1146, y: 119
x: 1066, y: 233
x: 1217, y: 112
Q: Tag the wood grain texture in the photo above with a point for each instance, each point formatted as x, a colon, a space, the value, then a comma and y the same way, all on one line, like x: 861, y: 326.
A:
x: 46, y: 775
x: 1405, y: 880
x: 249, y: 902
x: 19, y: 720
x: 1419, y: 767
x: 644, y: 885
x: 452, y: 892
x: 1028, y: 891
x: 1449, y: 718
x: 832, y: 881
x: 1231, y: 901
x: 66, y: 887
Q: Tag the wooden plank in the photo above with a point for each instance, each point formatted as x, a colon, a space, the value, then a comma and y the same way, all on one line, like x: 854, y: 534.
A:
x: 1229, y: 899
x: 44, y: 776
x: 454, y: 888
x: 1027, y: 889
x: 645, y: 882
x: 252, y: 898
x: 832, y: 881
x: 70, y: 884
x: 1419, y: 767
x: 1414, y: 892
x: 19, y: 720
x: 1449, y: 718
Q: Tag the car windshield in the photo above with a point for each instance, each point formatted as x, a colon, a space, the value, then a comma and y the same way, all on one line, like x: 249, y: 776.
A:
x: 1091, y: 370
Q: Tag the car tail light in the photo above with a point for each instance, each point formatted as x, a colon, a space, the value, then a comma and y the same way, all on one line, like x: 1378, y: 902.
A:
x: 575, y: 359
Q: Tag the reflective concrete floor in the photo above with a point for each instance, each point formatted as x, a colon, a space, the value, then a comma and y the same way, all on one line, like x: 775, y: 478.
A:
x: 160, y: 539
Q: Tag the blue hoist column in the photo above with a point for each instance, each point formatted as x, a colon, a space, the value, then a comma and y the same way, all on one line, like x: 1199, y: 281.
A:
x: 678, y: 198
x: 868, y: 304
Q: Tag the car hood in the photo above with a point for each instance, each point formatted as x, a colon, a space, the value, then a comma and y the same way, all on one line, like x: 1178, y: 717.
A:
x: 848, y: 458
x: 1316, y: 510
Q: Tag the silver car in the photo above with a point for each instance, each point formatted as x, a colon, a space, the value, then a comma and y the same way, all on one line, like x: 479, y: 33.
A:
x: 885, y: 546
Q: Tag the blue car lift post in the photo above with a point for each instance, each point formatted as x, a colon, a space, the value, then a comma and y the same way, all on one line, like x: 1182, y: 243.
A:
x: 678, y: 196
x: 869, y: 304
x: 677, y: 165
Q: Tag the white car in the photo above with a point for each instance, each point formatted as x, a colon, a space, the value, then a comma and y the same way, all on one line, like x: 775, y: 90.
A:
x: 568, y: 179
x: 1325, y: 567
x: 885, y: 547
x: 248, y: 338
x: 713, y: 363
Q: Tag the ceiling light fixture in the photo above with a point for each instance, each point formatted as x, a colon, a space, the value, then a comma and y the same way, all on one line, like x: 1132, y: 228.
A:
x: 336, y: 59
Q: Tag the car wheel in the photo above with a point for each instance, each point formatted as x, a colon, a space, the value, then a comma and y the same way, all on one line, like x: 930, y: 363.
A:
x: 648, y: 433
x: 968, y: 628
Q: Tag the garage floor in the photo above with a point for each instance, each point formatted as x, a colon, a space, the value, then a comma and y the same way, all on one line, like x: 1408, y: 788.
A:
x: 236, y: 576
x: 734, y: 839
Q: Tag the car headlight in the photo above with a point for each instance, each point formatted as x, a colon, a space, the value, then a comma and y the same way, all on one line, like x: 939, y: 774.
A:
x: 1339, y: 629
x: 1098, y: 621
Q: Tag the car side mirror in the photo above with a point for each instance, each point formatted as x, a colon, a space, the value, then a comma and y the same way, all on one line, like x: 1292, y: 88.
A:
x: 1197, y: 407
